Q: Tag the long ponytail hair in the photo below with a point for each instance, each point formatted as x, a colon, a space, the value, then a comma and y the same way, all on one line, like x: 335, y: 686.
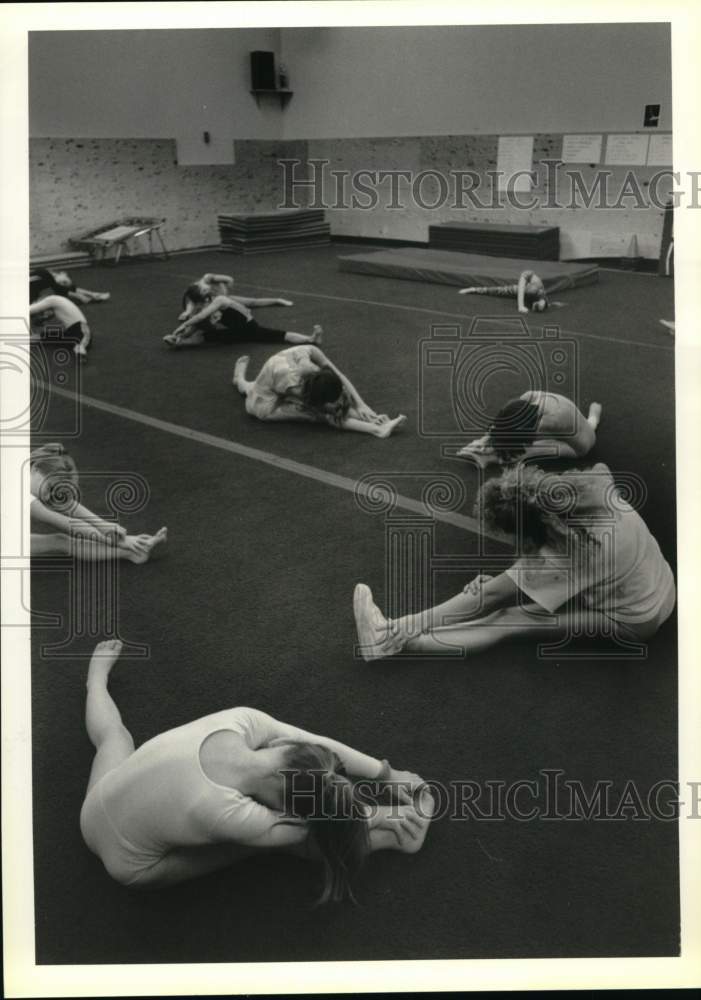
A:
x: 317, y: 790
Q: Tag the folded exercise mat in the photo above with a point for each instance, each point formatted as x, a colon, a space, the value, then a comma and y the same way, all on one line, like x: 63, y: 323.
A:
x: 444, y: 267
x: 266, y: 232
x: 499, y: 240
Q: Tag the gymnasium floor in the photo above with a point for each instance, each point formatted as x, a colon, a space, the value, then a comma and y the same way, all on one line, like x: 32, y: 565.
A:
x: 251, y: 604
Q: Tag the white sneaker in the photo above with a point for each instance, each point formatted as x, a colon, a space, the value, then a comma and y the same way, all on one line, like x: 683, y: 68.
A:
x: 375, y: 637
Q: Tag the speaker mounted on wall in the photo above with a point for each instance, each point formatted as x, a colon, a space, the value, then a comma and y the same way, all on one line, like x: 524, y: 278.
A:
x: 263, y: 71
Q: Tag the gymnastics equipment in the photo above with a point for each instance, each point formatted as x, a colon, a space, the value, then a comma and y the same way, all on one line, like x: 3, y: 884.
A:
x: 497, y: 240
x: 466, y: 270
x: 117, y: 236
x: 266, y: 232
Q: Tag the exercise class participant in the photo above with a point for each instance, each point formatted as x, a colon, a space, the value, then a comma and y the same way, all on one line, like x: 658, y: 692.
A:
x: 595, y: 570
x: 202, y: 291
x: 68, y: 315
x: 43, y: 281
x: 537, y: 424
x: 300, y: 383
x: 228, y: 320
x: 214, y: 791
x: 76, y: 530
x: 529, y: 292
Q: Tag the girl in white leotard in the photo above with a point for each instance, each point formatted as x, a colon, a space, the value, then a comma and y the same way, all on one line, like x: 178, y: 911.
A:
x: 200, y: 797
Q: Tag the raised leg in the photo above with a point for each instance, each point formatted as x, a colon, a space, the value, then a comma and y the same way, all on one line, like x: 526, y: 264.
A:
x: 595, y: 411
x: 239, y: 377
x: 112, y: 740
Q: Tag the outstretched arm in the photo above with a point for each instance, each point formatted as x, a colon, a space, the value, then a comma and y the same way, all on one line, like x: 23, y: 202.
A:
x: 45, y: 515
x: 218, y: 302
x: 266, y: 731
x: 109, y: 529
x: 42, y: 305
x: 220, y: 279
x: 521, y: 291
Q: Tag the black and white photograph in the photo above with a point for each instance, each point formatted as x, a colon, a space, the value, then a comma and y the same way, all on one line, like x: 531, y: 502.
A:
x: 350, y: 371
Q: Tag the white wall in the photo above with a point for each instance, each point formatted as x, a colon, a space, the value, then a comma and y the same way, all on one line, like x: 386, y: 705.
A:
x: 147, y: 84
x: 352, y: 82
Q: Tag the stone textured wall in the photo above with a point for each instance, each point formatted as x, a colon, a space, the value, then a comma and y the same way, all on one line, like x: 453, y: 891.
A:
x: 584, y: 230
x: 77, y: 184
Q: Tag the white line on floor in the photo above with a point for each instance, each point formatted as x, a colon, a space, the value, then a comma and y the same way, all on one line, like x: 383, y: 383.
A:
x: 277, y: 461
x: 434, y: 312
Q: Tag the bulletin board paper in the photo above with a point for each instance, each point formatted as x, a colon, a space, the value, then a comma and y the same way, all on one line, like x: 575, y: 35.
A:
x: 515, y: 154
x: 660, y: 152
x: 627, y: 149
x: 581, y: 148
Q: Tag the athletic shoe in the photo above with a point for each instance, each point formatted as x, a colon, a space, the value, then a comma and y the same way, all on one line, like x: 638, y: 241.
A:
x: 375, y: 637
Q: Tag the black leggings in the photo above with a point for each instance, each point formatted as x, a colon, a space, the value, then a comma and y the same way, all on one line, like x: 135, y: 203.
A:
x: 237, y: 329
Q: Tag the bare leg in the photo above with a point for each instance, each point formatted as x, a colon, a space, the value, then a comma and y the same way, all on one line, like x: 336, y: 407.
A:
x: 239, y: 377
x: 382, y: 430
x: 315, y: 337
x: 85, y: 296
x: 135, y: 548
x: 81, y: 349
x: 184, y: 863
x: 509, y: 623
x: 595, y: 411
x: 191, y: 338
x: 380, y: 637
x: 112, y: 740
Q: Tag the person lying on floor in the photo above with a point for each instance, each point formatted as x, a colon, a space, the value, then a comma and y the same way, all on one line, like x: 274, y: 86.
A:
x: 53, y: 501
x: 66, y: 314
x: 229, y: 320
x: 226, y: 787
x: 536, y: 425
x: 300, y: 383
x: 529, y: 292
x: 594, y: 570
x: 201, y: 292
x: 43, y: 281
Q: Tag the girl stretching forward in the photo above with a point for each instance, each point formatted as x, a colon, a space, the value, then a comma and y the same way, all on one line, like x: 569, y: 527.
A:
x: 537, y: 424
x: 229, y: 320
x: 212, y: 792
x: 69, y: 316
x: 529, y: 292
x: 599, y: 572
x: 44, y: 282
x: 76, y: 530
x: 202, y: 291
x: 301, y: 383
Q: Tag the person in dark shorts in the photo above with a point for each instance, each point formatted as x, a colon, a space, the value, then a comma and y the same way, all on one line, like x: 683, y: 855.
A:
x: 66, y: 314
x: 229, y: 320
x: 43, y: 282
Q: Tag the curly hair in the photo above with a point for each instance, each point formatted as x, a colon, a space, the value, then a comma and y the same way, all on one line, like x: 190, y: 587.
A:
x: 533, y: 505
